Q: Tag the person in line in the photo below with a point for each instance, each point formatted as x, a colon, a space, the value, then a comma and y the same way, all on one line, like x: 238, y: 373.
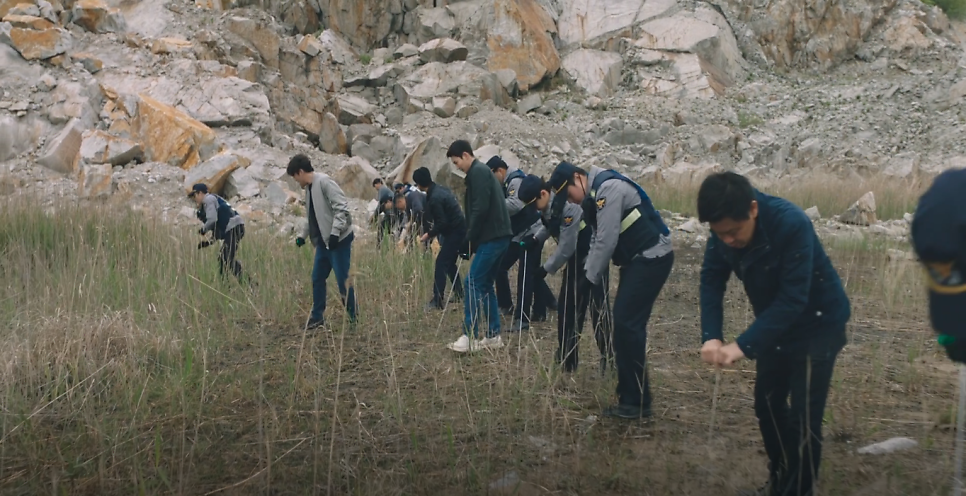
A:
x: 532, y: 294
x: 487, y: 238
x: 442, y: 219
x: 383, y: 194
x: 329, y: 229
x: 800, y: 311
x: 218, y: 218
x: 564, y: 223
x: 939, y: 238
x: 628, y: 230
x: 416, y: 208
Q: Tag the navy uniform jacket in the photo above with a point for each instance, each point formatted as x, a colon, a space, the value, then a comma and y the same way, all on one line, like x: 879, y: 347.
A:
x: 796, y: 294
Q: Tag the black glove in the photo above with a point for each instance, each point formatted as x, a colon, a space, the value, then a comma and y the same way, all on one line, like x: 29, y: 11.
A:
x: 333, y: 241
x: 529, y: 242
x: 465, y: 250
x: 202, y: 231
x: 204, y: 244
x: 300, y: 241
x: 540, y: 273
x: 955, y: 348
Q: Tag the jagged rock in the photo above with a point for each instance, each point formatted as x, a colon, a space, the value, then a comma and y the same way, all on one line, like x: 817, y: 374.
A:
x: 703, y: 32
x: 462, y: 78
x: 813, y: 213
x: 903, y: 166
x: 36, y: 45
x: 716, y: 138
x: 62, y: 152
x: 376, y: 78
x: 46, y: 83
x: 508, y: 78
x: 96, y: 17
x: 28, y: 22
x: 241, y: 184
x: 249, y: 71
x: 355, y: 178
x: 265, y: 40
x: 91, y: 63
x: 906, y: 34
x: 529, y: 103
x: 95, y: 180
x: 18, y: 7
x: 228, y: 101
x: 466, y: 110
x: 162, y: 46
x: 595, y: 24
x: 519, y: 38
x: 215, y: 171
x: 340, y: 51
x: 444, y: 106
x: 361, y: 132
x: 364, y: 23
x: 332, y: 138
x: 434, y: 23
x: 99, y: 147
x: 428, y: 153
x: 444, y: 50
x: 406, y: 50
x: 352, y: 110
x: 169, y: 135
x: 310, y: 46
x: 75, y: 100
x: 689, y: 79
x: 862, y: 212
x: 597, y: 72
x: 624, y: 136
x: 19, y: 135
x: 278, y: 194
x: 691, y: 226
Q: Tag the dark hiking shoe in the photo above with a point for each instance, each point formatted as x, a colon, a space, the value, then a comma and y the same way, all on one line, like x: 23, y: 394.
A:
x: 517, y: 326
x: 631, y: 412
x: 432, y: 306
x: 764, y: 490
x: 315, y: 324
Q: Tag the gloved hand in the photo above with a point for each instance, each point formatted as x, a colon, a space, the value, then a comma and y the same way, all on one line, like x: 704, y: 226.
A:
x: 300, y: 241
x: 202, y: 231
x: 540, y: 273
x: 529, y: 242
x: 204, y: 244
x: 465, y: 250
x: 333, y: 242
x: 955, y: 348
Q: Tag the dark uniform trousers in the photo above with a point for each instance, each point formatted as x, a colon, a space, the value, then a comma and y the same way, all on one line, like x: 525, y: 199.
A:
x: 576, y: 294
x: 530, y: 293
x: 449, y: 249
x: 229, y: 248
x: 640, y: 283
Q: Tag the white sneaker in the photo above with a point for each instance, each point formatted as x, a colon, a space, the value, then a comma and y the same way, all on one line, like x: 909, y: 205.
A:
x: 464, y: 345
x: 491, y: 343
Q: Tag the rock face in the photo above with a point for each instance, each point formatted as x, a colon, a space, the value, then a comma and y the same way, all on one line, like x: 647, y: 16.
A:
x: 214, y: 172
x: 331, y: 137
x: 361, y: 22
x: 461, y: 78
x: 61, y: 153
x: 221, y: 102
x: 434, y: 23
x: 520, y: 39
x: 444, y: 50
x: 592, y: 23
x: 171, y: 136
x: 36, y: 45
x: 99, y: 147
x: 793, y: 33
x: 241, y: 184
x: 597, y: 72
x: 355, y: 178
x: 95, y: 180
x: 96, y: 17
x: 352, y: 110
x: 262, y: 37
x: 862, y: 212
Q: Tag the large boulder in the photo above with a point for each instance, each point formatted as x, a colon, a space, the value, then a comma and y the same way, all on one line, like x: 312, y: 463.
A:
x: 264, y: 38
x: 444, y: 50
x: 231, y: 101
x: 241, y: 184
x: 62, y: 152
x: 98, y: 147
x: 80, y: 99
x: 355, y: 178
x: 439, y: 22
x: 460, y: 78
x: 36, y: 45
x: 19, y: 135
x: 352, y: 110
x: 363, y: 23
x: 95, y: 180
x: 335, y: 45
x: 595, y: 24
x: 862, y: 212
x: 97, y: 17
x: 169, y: 135
x: 28, y: 22
x: 332, y: 138
x: 520, y: 39
x: 596, y: 72
x: 215, y: 171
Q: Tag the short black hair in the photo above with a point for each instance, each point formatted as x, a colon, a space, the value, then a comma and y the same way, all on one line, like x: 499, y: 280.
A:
x: 299, y: 163
x: 458, y: 148
x: 725, y: 195
x: 376, y: 181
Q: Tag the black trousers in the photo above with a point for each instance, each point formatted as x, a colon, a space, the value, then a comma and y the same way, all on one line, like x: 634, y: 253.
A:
x: 530, y: 293
x: 229, y: 248
x: 449, y: 250
x: 640, y: 283
x: 792, y: 432
x: 576, y: 294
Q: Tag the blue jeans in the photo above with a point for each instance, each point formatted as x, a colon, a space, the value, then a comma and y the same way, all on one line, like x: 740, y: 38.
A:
x: 325, y: 261
x: 479, y: 288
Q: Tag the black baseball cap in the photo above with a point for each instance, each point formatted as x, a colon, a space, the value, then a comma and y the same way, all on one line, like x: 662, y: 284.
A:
x: 561, y: 176
x: 496, y: 162
x: 198, y: 188
x: 529, y: 188
x: 939, y: 238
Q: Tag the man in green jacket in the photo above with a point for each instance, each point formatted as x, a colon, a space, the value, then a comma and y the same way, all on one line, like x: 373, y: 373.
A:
x: 487, y: 236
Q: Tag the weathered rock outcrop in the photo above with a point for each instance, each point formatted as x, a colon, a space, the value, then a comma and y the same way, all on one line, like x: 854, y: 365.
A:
x: 520, y: 39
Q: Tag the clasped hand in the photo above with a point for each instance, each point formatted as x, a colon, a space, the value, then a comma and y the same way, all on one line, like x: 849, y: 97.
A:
x: 714, y: 352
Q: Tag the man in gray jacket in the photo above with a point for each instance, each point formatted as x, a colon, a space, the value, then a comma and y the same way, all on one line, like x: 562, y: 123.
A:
x: 220, y: 219
x: 330, y: 231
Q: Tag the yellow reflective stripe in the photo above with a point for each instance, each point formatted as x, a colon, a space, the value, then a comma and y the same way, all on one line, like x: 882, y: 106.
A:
x: 582, y: 225
x: 630, y: 219
x: 935, y: 287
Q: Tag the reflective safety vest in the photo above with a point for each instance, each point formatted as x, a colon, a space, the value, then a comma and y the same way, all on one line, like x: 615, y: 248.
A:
x: 641, y: 226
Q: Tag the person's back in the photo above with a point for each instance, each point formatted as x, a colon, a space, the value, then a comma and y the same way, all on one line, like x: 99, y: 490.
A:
x: 443, y: 211
x: 486, y: 214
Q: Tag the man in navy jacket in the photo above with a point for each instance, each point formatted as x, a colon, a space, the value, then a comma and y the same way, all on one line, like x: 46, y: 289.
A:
x: 800, y: 311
